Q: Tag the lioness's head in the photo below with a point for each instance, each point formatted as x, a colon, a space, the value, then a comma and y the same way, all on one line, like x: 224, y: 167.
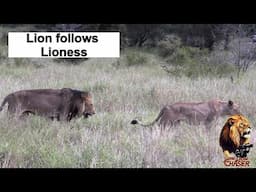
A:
x: 230, y: 108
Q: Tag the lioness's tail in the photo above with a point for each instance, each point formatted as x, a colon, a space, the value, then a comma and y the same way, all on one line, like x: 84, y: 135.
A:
x: 4, y: 102
x: 135, y: 121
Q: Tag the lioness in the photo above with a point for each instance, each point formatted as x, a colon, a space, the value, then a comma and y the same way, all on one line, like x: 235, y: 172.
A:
x: 193, y: 113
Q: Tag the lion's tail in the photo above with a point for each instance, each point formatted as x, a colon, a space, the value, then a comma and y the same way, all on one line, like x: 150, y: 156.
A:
x: 135, y: 121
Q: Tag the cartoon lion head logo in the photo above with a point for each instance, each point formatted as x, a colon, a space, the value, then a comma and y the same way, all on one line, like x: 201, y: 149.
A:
x: 235, y: 136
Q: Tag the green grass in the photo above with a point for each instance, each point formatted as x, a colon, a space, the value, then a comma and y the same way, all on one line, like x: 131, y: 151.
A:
x: 121, y: 91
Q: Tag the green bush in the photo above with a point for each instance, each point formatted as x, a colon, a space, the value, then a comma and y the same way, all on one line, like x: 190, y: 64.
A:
x: 188, y: 54
x: 3, y: 52
x: 194, y: 69
x: 168, y: 45
x: 194, y: 62
x: 134, y: 57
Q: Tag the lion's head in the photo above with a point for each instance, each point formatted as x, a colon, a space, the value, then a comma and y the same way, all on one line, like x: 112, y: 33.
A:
x: 235, y: 134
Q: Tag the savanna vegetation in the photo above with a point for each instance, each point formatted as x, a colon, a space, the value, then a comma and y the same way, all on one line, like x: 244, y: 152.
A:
x: 159, y: 65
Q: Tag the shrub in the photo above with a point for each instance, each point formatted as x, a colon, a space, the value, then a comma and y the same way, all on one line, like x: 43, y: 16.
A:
x: 134, y: 57
x: 169, y: 45
x: 3, y: 52
x: 194, y: 62
x: 194, y: 69
x: 188, y: 54
x: 73, y: 61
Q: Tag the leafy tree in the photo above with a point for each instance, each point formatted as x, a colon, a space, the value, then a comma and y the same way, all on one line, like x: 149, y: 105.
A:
x: 243, y: 49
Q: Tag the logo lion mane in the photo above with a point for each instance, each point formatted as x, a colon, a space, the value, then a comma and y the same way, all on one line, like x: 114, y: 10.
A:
x: 235, y: 136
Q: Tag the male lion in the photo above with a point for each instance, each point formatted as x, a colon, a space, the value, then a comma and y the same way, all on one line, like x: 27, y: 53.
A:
x: 60, y: 104
x: 193, y: 113
x: 235, y: 136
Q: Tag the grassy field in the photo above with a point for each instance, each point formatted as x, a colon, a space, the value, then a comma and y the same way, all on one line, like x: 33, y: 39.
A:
x: 121, y: 92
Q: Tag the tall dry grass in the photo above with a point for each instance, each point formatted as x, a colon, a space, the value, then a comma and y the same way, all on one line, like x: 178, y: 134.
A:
x: 121, y: 93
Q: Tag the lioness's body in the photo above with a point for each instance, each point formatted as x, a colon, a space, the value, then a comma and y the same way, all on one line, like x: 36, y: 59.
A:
x: 193, y: 113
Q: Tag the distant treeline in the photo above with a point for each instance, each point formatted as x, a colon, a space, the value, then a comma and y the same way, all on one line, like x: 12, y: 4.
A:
x: 141, y: 35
